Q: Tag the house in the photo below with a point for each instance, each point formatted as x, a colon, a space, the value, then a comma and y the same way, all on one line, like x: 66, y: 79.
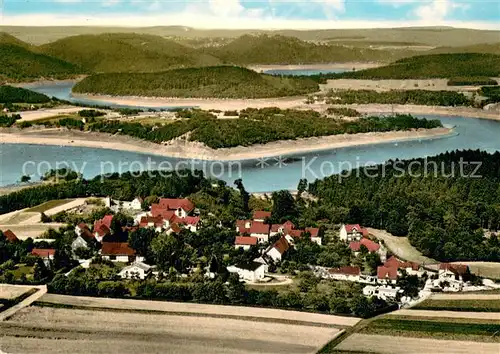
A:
x: 314, y: 232
x: 254, y: 229
x: 245, y: 242
x: 261, y: 215
x: 137, y: 270
x: 253, y: 271
x: 81, y: 227
x: 192, y: 223
x: 136, y: 204
x: 119, y: 252
x: 452, y: 272
x: 181, y: 207
x: 84, y: 237
x: 411, y: 268
x: 278, y: 249
x: 352, y: 232
x: 382, y: 292
x: 44, y: 253
x: 102, y: 228
x: 10, y: 236
x: 155, y: 222
x: 348, y: 273
x: 387, y: 275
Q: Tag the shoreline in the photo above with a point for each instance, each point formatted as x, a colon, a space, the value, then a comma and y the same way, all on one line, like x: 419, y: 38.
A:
x: 197, y: 151
x: 324, y: 66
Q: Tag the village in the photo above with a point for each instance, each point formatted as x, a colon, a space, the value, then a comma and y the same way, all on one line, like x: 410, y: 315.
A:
x: 262, y: 248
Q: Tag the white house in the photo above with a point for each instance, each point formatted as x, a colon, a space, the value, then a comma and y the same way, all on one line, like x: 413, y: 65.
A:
x: 245, y: 242
x: 253, y: 271
x: 352, y: 232
x: 345, y: 273
x: 451, y: 272
x: 79, y: 242
x: 135, y: 204
x: 382, y: 292
x: 136, y: 270
x: 119, y: 252
x: 387, y: 275
x: 278, y: 249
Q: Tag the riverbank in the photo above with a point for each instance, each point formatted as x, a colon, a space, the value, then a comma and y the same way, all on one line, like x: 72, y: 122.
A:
x: 327, y: 66
x: 194, y: 150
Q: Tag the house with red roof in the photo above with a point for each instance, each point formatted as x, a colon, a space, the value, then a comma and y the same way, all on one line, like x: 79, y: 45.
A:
x: 83, y: 237
x: 452, y: 272
x: 47, y: 254
x: 102, y: 227
x: 254, y: 229
x: 245, y: 242
x: 352, y: 232
x: 260, y: 215
x: 348, y: 273
x: 277, y: 250
x: 181, y: 207
x: 119, y: 252
x: 372, y: 247
x: 387, y: 275
x: 411, y: 268
x: 10, y: 236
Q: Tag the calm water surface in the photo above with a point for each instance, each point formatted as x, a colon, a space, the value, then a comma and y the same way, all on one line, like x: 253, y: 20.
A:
x: 258, y: 175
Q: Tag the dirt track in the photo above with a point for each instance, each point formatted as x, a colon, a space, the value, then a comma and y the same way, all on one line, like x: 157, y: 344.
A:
x: 390, y: 345
x: 56, y: 330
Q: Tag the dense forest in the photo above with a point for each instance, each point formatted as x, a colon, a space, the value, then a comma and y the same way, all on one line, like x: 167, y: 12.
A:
x: 217, y: 81
x: 278, y: 49
x: 10, y: 94
x: 125, y: 52
x: 260, y: 126
x: 18, y: 63
x: 428, y: 67
x: 441, y: 209
x: 418, y: 97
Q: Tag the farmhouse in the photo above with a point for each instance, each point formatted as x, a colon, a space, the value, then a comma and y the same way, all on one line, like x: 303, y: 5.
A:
x: 348, y: 273
x: 10, y: 236
x: 451, y: 272
x: 411, y: 268
x: 261, y: 215
x: 352, y: 232
x: 371, y: 246
x: 137, y: 270
x: 119, y: 252
x: 102, y: 228
x: 84, y: 237
x: 253, y: 271
x: 382, y: 292
x: 245, y: 242
x: 180, y: 207
x: 387, y: 275
x: 278, y: 249
x: 44, y: 253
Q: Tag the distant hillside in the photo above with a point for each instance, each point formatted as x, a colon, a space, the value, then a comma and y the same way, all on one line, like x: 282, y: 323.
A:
x: 279, y: 49
x: 121, y: 52
x: 218, y: 81
x: 478, y: 48
x: 433, y: 66
x: 6, y: 38
x: 18, y: 64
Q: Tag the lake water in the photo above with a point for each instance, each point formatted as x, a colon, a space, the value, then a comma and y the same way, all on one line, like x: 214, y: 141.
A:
x: 258, y: 175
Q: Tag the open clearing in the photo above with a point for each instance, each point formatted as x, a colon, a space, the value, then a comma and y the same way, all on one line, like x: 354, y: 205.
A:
x: 390, y: 345
x: 197, y: 309
x: 60, y: 330
x: 49, y: 205
x: 401, y: 247
x: 484, y: 269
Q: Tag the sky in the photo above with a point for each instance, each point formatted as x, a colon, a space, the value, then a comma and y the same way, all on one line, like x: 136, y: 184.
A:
x: 245, y: 14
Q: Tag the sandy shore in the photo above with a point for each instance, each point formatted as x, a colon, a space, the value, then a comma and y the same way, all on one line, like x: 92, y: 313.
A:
x: 195, y: 150
x: 329, y: 66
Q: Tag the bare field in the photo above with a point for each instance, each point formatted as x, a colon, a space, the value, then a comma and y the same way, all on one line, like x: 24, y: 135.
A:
x: 57, y: 330
x: 485, y: 269
x: 208, y: 310
x: 390, y: 345
x: 9, y: 292
x: 34, y: 231
x: 387, y: 85
x: 448, y: 314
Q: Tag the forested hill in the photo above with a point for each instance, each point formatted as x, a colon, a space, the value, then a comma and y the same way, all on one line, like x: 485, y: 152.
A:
x: 6, y: 38
x: 18, y: 63
x: 217, y: 81
x: 477, y: 48
x: 277, y: 49
x: 10, y: 94
x: 120, y: 52
x: 434, y: 66
x: 443, y: 213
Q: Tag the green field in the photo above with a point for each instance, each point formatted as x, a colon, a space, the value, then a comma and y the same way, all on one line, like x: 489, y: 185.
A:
x: 460, y: 305
x: 49, y: 205
x: 439, y: 328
